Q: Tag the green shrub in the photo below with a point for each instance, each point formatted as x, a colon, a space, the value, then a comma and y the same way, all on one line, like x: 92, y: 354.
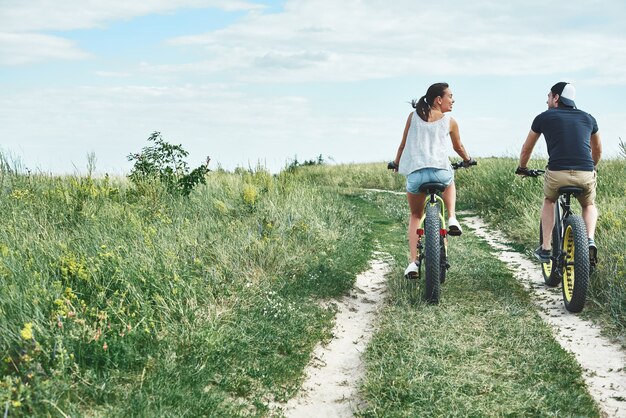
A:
x: 165, y: 162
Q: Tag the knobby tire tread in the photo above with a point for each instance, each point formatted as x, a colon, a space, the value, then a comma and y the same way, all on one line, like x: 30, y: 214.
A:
x: 581, y: 264
x: 432, y: 254
x: 442, y: 259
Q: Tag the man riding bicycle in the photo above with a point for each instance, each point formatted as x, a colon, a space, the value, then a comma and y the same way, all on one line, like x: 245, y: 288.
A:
x: 574, y: 150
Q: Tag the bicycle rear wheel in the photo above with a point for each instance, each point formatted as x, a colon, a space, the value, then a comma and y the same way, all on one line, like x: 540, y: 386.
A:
x: 576, y: 263
x: 551, y: 274
x: 443, y: 259
x: 432, y: 254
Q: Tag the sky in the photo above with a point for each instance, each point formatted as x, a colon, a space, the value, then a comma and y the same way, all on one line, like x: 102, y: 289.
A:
x: 253, y: 82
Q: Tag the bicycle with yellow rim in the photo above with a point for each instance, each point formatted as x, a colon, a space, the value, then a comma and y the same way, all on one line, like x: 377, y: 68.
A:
x: 569, y: 263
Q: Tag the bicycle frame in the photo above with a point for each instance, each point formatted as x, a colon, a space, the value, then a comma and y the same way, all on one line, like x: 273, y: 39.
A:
x: 432, y: 199
x: 562, y: 210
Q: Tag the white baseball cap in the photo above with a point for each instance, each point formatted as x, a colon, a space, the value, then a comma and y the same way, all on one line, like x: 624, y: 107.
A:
x: 566, y: 92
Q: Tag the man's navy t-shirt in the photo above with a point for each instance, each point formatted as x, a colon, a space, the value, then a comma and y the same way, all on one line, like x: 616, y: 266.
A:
x: 567, y: 132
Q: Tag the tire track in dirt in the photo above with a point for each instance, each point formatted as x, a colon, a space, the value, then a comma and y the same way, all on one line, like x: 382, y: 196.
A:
x: 603, y: 362
x: 334, y: 373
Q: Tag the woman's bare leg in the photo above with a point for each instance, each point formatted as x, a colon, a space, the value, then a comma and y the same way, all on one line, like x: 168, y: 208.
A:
x: 449, y: 198
x: 416, y: 205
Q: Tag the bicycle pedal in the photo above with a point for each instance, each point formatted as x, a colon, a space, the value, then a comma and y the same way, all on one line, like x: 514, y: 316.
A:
x: 411, y: 276
x: 454, y: 232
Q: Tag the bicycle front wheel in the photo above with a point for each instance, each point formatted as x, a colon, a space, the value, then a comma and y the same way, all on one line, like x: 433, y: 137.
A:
x: 432, y: 254
x: 576, y: 263
x: 551, y: 274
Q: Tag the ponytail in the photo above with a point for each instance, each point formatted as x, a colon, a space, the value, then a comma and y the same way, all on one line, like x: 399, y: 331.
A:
x: 422, y: 106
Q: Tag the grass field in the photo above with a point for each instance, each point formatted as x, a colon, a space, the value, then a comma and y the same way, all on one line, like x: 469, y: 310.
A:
x: 119, y: 301
x: 124, y: 303
x: 512, y: 204
x: 483, y: 351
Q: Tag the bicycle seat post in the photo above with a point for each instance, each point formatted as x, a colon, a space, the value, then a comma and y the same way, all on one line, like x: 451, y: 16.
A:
x: 566, y: 202
x: 432, y: 189
x: 566, y: 192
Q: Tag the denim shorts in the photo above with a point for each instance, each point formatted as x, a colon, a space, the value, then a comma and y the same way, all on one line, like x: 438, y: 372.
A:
x: 428, y: 175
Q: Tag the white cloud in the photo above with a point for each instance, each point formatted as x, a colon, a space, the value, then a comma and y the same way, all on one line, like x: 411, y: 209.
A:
x: 352, y: 40
x: 37, y: 15
x: 55, y: 129
x: 29, y: 48
x: 255, y: 113
x: 112, y: 74
x: 21, y: 22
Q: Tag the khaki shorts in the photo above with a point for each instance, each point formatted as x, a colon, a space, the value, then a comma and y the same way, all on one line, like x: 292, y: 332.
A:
x: 584, y: 179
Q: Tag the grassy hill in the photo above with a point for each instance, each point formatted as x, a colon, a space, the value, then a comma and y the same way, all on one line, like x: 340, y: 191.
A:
x: 513, y: 205
x: 118, y: 301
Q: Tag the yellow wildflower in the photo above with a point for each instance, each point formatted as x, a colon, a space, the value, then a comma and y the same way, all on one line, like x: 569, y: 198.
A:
x: 19, y: 194
x: 27, y: 331
x: 249, y: 194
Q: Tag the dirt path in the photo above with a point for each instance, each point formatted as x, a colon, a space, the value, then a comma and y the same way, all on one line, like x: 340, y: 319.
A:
x: 604, y: 363
x: 330, y: 388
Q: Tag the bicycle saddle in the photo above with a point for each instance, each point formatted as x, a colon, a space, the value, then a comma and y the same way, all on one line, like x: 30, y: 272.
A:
x: 570, y: 190
x: 427, y: 187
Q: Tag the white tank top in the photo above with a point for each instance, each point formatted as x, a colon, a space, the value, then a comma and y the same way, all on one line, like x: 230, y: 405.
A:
x: 426, y: 145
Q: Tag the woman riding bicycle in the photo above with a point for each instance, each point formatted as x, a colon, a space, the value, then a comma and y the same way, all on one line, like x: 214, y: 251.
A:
x: 423, y: 157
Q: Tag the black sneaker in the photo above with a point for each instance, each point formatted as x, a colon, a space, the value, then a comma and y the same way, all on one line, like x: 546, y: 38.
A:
x: 542, y: 255
x: 593, y: 254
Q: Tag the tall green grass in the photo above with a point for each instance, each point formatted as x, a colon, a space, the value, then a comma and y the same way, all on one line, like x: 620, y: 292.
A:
x: 482, y: 352
x: 119, y: 301
x: 345, y: 176
x: 513, y: 204
x: 124, y: 301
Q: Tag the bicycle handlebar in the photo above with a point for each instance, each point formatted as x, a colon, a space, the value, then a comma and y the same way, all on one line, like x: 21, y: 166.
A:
x: 391, y: 165
x: 464, y: 164
x: 525, y: 172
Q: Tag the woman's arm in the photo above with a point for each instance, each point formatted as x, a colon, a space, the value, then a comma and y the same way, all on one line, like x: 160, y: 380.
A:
x: 403, y: 142
x: 457, y: 145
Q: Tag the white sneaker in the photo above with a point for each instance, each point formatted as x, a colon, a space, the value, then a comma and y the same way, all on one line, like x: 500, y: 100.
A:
x: 411, y: 271
x: 454, y: 228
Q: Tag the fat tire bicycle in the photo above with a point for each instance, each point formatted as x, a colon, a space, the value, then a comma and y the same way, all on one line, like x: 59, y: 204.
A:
x: 570, y: 262
x: 432, y: 242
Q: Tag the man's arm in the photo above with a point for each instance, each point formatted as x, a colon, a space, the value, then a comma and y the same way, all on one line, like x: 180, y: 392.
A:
x: 527, y: 148
x: 596, y: 148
